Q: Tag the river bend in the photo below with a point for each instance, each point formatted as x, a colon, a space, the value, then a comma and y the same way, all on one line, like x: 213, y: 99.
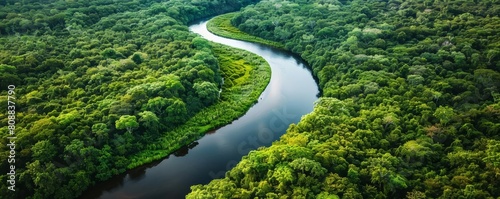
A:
x: 289, y: 95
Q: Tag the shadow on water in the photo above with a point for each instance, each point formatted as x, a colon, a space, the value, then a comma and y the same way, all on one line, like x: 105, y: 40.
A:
x: 132, y: 175
x: 184, y: 150
x: 290, y: 94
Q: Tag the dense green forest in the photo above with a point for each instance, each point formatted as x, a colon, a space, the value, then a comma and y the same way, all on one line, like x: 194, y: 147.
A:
x: 102, y: 86
x: 221, y: 26
x: 410, y: 106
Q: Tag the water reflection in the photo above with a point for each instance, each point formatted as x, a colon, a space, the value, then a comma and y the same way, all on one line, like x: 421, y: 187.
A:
x: 184, y: 150
x: 289, y: 95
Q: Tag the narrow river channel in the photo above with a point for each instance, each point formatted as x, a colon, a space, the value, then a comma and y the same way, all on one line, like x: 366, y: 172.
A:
x: 289, y: 95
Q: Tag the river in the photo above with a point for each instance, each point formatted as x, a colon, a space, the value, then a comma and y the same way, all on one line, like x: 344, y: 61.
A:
x: 289, y: 95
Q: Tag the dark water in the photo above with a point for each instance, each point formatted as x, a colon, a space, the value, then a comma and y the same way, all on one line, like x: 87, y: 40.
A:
x: 290, y: 94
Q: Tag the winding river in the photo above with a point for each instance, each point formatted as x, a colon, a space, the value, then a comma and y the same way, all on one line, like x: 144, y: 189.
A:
x: 289, y: 95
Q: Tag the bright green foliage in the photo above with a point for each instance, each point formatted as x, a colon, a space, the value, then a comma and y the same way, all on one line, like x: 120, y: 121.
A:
x: 410, y: 105
x: 444, y: 114
x: 412, y: 150
x: 150, y: 121
x: 310, y: 167
x: 325, y: 195
x: 127, y: 122
x: 89, y: 73
x: 493, y: 153
x: 221, y: 25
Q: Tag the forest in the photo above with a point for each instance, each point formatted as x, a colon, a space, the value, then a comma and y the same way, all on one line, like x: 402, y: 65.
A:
x: 410, y: 104
x: 104, y: 86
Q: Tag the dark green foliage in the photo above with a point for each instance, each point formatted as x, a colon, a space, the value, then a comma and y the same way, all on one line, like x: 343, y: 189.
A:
x: 246, y: 76
x: 410, y: 106
x: 99, y: 83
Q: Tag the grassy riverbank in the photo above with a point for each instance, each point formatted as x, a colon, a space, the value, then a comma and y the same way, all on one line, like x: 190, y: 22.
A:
x: 410, y: 104
x: 221, y: 26
x: 245, y: 74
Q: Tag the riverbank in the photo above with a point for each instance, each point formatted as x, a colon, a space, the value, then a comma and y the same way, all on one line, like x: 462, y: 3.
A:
x: 245, y: 74
x: 221, y: 26
x: 289, y: 95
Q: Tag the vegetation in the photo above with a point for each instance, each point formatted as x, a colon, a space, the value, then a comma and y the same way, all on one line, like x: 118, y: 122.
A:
x: 100, y: 85
x: 221, y: 25
x: 245, y: 75
x: 410, y: 106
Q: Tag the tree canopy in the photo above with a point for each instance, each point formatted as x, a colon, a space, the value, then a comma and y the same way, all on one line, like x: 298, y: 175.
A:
x: 98, y: 82
x: 409, y: 107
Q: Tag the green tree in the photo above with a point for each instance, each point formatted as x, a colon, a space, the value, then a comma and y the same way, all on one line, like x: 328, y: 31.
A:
x: 200, y: 43
x: 492, y: 55
x: 67, y: 118
x: 150, y: 121
x: 44, y: 180
x: 43, y: 151
x: 101, y: 130
x: 308, y: 166
x: 128, y: 122
x: 157, y: 105
x: 8, y: 76
x: 493, y: 153
x: 414, y: 151
x: 284, y: 176
x: 444, y: 114
x: 176, y: 111
x: 72, y: 151
x: 207, y: 92
x: 173, y: 85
